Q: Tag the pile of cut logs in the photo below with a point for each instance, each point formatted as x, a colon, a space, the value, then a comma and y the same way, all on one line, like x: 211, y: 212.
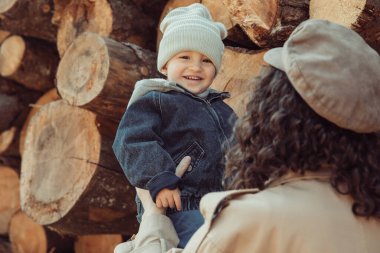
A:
x: 68, y: 68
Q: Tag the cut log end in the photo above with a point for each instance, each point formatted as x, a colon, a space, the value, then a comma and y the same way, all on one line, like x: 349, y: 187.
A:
x: 219, y: 12
x: 97, y: 243
x: 5, y: 5
x: 83, y: 70
x: 11, y: 53
x: 362, y: 16
x: 238, y: 81
x: 26, y: 236
x: 267, y: 23
x: 51, y: 185
x: 95, y: 16
x: 6, y: 138
x: 256, y: 18
x: 9, y: 195
x: 342, y: 12
x: 49, y: 96
x: 261, y: 14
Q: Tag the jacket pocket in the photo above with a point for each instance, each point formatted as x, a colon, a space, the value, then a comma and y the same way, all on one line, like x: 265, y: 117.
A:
x: 195, y: 151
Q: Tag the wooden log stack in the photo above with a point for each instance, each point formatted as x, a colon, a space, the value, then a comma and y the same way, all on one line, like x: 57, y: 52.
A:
x: 67, y: 70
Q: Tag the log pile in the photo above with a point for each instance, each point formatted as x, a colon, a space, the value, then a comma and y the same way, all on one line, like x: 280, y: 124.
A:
x: 67, y: 70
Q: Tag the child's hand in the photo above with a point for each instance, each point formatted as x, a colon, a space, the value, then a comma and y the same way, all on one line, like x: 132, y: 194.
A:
x: 172, y: 198
x: 169, y: 198
x: 148, y: 204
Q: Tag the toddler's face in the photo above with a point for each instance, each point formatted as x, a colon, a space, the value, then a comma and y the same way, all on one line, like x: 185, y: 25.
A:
x: 192, y: 70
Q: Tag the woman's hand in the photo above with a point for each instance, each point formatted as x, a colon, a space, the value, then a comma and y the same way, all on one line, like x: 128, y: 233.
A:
x: 146, y: 200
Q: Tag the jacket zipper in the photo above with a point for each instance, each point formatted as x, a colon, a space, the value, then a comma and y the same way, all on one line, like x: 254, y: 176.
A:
x: 215, y: 117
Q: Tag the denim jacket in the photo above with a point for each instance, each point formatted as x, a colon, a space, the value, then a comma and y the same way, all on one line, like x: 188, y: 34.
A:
x: 162, y: 126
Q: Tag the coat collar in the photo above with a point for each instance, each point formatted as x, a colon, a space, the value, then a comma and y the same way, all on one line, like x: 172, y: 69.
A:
x: 143, y: 86
x: 213, y: 203
x: 323, y: 175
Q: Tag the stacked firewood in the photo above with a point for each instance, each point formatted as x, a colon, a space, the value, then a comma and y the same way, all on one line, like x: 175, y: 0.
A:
x: 68, y: 68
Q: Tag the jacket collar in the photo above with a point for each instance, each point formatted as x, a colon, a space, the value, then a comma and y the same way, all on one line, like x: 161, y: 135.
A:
x: 211, y: 96
x: 159, y: 84
x: 322, y: 175
x: 212, y: 203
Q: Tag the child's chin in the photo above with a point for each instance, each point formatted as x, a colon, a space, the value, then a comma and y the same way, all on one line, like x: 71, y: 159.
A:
x: 196, y: 92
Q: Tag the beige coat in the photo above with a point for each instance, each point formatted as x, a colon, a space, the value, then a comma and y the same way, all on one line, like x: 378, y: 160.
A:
x: 295, y: 214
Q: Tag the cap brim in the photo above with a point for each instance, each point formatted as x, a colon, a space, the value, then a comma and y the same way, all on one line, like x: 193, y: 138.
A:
x: 274, y: 57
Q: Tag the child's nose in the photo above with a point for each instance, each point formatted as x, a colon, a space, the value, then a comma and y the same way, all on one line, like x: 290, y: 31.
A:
x: 196, y: 65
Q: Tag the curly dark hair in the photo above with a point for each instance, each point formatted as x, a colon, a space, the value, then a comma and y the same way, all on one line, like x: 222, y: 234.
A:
x: 281, y: 133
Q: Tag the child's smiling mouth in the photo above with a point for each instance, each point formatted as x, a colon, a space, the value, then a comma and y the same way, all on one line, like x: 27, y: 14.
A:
x: 195, y: 78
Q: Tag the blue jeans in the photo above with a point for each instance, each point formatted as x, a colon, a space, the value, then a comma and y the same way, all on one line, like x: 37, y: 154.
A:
x: 185, y: 224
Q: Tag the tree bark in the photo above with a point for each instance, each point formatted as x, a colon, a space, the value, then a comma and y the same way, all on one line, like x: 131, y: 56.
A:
x: 97, y: 243
x: 99, y: 74
x: 59, y: 8
x: 236, y: 36
x: 239, y: 82
x: 120, y: 20
x: 268, y: 23
x: 28, y: 18
x: 9, y: 195
x: 10, y: 107
x: 27, y: 236
x: 13, y: 115
x: 29, y: 62
x: 12, y: 89
x: 8, y: 157
x: 70, y: 179
x: 152, y: 8
x: 3, y: 35
x: 363, y: 16
x: 5, y: 246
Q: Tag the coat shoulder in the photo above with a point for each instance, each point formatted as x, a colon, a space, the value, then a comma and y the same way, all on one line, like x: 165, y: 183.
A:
x: 234, y: 218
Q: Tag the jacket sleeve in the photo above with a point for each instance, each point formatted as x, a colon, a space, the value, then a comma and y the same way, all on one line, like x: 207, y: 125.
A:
x: 139, y: 148
x: 156, y: 235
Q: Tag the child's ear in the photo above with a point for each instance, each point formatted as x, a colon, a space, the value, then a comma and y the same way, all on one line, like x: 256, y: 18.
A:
x: 164, y: 70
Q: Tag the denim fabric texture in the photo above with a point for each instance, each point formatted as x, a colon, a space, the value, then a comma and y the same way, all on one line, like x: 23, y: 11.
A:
x: 185, y: 224
x: 160, y: 128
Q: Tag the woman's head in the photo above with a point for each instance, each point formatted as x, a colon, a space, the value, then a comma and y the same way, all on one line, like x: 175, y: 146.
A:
x: 335, y: 72
x: 284, y: 128
x: 280, y: 133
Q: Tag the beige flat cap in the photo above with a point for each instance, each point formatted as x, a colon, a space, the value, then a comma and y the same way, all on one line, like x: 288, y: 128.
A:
x: 334, y: 71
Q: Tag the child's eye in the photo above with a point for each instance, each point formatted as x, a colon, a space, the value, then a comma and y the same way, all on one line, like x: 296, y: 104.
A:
x: 184, y: 57
x: 207, y: 60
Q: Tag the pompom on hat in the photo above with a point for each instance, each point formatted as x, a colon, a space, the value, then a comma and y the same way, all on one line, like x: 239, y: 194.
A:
x: 335, y: 72
x: 191, y: 28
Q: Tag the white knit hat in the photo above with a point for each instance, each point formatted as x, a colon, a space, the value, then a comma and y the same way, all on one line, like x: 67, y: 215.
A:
x: 191, y: 28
